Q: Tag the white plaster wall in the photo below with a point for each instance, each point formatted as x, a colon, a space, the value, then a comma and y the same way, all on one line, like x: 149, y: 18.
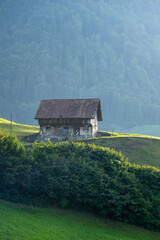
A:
x: 86, y: 131
x: 94, y: 123
x: 71, y: 131
x: 46, y: 132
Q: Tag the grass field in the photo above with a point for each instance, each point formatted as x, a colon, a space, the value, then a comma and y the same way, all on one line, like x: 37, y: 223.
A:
x: 19, y: 222
x: 20, y: 130
x: 137, y: 148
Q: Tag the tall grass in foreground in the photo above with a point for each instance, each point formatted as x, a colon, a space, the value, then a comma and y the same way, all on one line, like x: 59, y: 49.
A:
x: 19, y: 222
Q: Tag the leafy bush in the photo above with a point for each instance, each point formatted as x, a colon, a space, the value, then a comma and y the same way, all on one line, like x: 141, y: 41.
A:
x: 76, y: 175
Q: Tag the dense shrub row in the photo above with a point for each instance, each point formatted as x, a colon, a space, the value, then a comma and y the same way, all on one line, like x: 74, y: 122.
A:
x: 76, y: 175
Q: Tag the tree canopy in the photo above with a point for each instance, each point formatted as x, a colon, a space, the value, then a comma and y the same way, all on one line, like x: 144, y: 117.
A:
x: 76, y: 175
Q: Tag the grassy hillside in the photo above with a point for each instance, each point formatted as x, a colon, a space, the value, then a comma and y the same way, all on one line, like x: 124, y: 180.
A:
x: 21, y: 222
x: 20, y: 130
x: 139, y: 149
x: 152, y: 130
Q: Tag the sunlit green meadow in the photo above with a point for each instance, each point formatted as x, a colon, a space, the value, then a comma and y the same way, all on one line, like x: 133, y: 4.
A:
x: 20, y: 130
x: 19, y: 222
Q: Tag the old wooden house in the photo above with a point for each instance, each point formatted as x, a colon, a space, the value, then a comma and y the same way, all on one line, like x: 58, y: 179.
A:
x: 62, y: 119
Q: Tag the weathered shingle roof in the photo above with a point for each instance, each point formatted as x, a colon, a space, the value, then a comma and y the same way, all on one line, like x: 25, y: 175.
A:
x: 69, y: 108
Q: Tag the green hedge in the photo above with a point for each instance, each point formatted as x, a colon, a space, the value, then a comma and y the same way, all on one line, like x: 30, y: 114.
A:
x: 76, y: 175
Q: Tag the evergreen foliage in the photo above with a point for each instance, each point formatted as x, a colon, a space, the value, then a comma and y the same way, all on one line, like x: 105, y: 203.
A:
x: 76, y: 175
x: 79, y: 49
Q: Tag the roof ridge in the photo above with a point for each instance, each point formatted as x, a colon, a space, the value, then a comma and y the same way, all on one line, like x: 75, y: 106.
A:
x: 70, y: 99
x: 69, y: 108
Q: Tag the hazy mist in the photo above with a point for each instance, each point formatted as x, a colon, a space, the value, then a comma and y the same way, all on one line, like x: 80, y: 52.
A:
x: 81, y: 49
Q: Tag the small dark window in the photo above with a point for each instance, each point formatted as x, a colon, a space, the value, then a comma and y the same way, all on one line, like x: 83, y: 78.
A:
x: 76, y: 131
x: 48, y: 127
x: 66, y: 128
x: 86, y: 128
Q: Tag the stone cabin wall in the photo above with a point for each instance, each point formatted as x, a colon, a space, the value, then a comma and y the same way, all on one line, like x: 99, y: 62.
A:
x: 63, y: 129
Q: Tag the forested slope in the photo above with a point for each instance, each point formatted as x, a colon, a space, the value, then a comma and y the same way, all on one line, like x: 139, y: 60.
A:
x: 81, y: 49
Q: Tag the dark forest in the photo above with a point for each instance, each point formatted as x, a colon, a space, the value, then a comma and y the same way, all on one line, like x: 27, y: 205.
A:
x: 81, y: 49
